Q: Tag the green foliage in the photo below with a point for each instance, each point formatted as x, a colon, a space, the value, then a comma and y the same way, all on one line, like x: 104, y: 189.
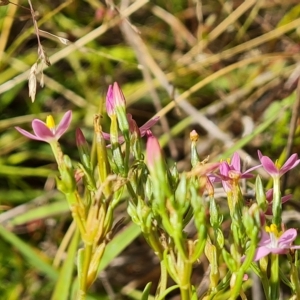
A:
x: 229, y: 66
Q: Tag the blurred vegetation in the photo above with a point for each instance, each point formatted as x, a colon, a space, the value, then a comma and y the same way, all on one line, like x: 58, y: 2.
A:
x: 228, y: 69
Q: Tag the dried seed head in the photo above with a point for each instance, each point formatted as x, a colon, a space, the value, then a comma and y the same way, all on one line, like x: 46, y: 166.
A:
x: 32, y: 82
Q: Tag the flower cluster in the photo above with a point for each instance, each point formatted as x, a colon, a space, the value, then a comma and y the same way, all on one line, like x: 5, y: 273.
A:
x: 163, y: 201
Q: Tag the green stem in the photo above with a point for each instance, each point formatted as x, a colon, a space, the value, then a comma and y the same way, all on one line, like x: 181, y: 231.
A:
x: 83, y: 286
x: 153, y: 241
x: 238, y: 284
x: 295, y: 276
x: 131, y: 192
x: 185, y: 294
x: 264, y: 277
x: 245, y: 266
x: 163, y: 279
x: 184, y: 274
x: 277, y: 205
x: 127, y: 153
x: 57, y: 152
x: 274, y: 280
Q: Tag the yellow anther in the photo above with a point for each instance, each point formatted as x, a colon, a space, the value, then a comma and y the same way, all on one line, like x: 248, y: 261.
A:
x: 50, y: 122
x: 273, y: 229
x: 277, y: 164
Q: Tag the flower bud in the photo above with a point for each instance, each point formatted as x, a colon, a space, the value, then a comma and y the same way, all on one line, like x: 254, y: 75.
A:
x: 116, y: 105
x: 110, y: 108
x: 260, y: 194
x: 153, y: 152
x: 194, y: 154
x: 83, y: 148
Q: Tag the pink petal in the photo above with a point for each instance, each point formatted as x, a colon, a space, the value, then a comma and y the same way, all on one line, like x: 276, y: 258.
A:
x: 269, y: 212
x: 269, y: 195
x: 28, y: 134
x: 121, y: 139
x: 295, y: 247
x: 42, y: 131
x: 269, y: 166
x: 279, y: 250
x: 245, y: 175
x: 236, y: 162
x: 291, y: 163
x: 148, y: 125
x: 264, y: 239
x: 252, y: 169
x: 286, y: 198
x: 226, y: 186
x: 224, y: 169
x: 131, y: 122
x: 261, y: 252
x: 214, y: 178
x: 118, y: 96
x: 110, y: 101
x: 106, y: 136
x: 63, y: 124
x: 287, y: 238
x: 153, y: 150
x: 260, y: 155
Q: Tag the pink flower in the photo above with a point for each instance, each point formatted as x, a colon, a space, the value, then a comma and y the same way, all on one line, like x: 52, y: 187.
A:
x: 269, y: 198
x: 48, y: 132
x: 275, y: 242
x: 231, y: 171
x: 273, y: 169
x: 114, y: 98
x: 143, y: 129
x: 153, y: 151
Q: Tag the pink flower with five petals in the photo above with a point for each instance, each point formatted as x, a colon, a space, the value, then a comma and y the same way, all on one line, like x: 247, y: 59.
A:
x: 48, y: 132
x: 275, y: 242
x: 231, y: 170
x: 273, y: 169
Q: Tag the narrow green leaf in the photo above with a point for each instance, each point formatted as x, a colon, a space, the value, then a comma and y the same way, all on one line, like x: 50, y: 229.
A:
x: 138, y: 295
x: 118, y: 244
x: 64, y: 282
x: 146, y: 291
x: 17, y: 171
x: 113, y: 249
x: 41, y: 212
x: 33, y: 256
